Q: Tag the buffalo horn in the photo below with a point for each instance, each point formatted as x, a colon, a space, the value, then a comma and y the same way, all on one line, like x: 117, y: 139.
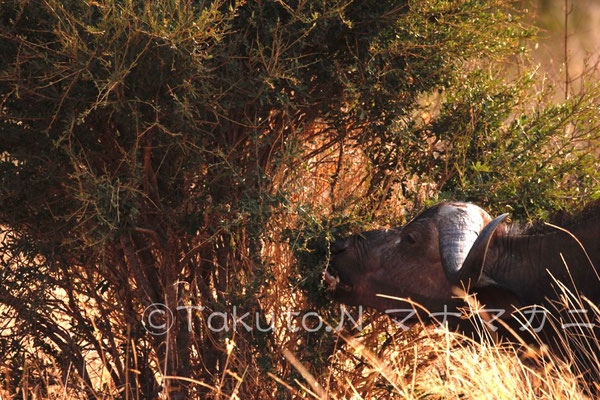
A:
x: 472, y: 267
x: 459, y: 228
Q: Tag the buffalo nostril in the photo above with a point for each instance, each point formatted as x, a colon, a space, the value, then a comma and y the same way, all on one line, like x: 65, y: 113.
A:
x: 338, y: 246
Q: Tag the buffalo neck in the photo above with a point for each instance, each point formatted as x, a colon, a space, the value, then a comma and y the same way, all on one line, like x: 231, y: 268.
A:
x: 526, y: 263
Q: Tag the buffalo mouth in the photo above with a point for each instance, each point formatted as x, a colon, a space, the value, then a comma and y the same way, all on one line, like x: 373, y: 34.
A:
x: 334, y: 283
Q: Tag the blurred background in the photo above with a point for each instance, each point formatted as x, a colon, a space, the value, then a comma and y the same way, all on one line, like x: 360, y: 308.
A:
x: 582, y: 32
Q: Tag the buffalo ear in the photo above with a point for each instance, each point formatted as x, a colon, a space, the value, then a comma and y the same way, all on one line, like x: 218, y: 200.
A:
x: 470, y: 272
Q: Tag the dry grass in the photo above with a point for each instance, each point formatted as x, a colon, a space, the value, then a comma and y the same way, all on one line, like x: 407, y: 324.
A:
x: 432, y: 363
x: 437, y: 363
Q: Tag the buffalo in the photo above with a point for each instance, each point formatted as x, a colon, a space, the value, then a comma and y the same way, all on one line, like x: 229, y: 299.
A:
x: 456, y: 244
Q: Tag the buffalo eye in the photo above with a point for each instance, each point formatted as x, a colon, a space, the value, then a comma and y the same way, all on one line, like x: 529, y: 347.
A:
x: 410, y: 238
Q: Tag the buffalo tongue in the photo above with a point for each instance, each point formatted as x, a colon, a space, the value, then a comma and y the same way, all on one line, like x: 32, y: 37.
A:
x: 330, y: 280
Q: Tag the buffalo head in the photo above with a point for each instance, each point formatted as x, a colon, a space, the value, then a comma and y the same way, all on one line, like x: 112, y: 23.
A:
x: 445, y: 246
